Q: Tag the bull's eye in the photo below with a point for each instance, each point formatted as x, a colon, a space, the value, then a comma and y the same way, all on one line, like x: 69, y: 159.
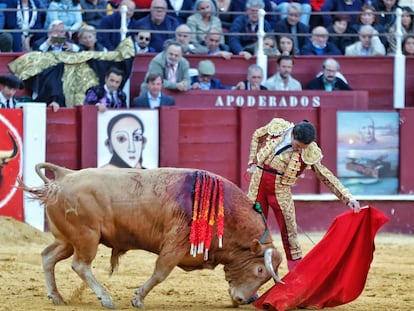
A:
x: 260, y: 270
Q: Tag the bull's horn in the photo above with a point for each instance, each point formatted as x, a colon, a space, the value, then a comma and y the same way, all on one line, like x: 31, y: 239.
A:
x: 9, y: 154
x: 268, y: 254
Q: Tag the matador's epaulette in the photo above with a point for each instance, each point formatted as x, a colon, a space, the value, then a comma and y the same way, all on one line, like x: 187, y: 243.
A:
x: 312, y: 154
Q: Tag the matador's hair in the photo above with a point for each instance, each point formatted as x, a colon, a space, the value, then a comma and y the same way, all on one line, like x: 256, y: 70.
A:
x: 304, y: 132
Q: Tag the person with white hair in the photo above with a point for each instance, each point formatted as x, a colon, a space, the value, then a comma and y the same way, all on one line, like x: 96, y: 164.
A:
x: 368, y: 44
x: 243, y: 32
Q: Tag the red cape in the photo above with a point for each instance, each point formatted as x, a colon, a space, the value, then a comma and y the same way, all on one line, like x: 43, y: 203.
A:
x: 334, y: 272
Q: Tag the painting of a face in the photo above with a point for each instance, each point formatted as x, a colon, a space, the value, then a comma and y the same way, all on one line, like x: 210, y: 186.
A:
x: 127, y: 141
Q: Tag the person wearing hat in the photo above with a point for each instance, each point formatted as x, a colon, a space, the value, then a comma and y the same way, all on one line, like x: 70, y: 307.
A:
x: 205, y: 80
x: 9, y: 84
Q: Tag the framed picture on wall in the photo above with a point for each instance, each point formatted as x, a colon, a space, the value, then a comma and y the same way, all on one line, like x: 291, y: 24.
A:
x: 128, y: 138
x: 368, y: 151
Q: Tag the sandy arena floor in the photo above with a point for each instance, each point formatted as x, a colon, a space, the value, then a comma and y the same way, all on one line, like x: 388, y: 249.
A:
x: 390, y: 284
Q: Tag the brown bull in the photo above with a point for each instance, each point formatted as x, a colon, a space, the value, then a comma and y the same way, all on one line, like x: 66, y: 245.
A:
x: 152, y: 210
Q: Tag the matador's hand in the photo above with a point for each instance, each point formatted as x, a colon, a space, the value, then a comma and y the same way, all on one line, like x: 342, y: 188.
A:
x: 251, y: 169
x: 354, y: 205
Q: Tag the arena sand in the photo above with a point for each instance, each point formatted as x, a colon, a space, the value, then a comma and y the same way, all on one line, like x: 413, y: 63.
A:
x: 390, y: 284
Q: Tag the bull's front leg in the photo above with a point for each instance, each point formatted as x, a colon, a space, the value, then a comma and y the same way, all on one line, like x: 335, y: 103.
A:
x: 167, y: 260
x: 51, y: 255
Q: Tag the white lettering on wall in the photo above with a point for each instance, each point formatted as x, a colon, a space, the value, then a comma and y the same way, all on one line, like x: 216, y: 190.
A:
x: 268, y: 101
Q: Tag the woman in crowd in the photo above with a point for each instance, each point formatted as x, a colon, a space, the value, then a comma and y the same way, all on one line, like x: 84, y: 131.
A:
x: 87, y: 39
x: 406, y: 27
x: 339, y: 32
x: 408, y: 45
x: 286, y: 45
x: 203, y: 20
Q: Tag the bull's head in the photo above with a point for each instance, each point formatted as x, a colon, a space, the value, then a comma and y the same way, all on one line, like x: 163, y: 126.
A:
x: 247, y: 273
x: 7, y: 155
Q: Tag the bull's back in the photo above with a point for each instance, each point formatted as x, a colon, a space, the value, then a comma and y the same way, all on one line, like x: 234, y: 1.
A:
x: 127, y: 208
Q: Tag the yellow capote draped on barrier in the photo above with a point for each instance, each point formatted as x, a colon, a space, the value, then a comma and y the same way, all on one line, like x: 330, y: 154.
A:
x: 78, y: 75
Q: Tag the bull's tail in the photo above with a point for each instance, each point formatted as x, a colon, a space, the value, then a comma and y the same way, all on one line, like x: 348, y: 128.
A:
x: 116, y: 253
x: 48, y: 193
x: 58, y: 171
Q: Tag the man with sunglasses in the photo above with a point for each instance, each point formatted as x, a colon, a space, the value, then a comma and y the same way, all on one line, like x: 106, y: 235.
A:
x: 142, y: 40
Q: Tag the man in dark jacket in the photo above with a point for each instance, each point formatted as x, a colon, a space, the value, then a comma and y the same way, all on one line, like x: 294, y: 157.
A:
x: 113, y: 22
x: 154, y: 97
x: 319, y: 44
x: 329, y: 79
x: 247, y: 25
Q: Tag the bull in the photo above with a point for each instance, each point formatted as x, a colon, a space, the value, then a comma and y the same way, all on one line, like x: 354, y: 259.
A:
x: 7, y: 155
x: 151, y: 210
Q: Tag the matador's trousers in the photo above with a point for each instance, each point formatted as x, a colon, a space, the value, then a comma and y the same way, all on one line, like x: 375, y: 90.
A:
x: 270, y: 192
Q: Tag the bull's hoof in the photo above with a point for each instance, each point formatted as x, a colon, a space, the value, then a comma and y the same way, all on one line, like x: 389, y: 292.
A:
x: 56, y: 299
x: 137, y: 303
x: 107, y: 302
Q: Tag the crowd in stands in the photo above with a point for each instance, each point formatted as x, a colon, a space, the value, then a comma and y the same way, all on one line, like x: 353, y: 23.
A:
x: 173, y: 29
x: 236, y: 21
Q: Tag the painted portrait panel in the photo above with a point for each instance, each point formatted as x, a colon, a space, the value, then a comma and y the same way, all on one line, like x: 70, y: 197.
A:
x: 128, y: 138
x: 368, y: 151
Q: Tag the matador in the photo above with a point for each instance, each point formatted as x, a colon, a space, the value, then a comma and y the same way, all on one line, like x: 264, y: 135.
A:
x: 279, y: 153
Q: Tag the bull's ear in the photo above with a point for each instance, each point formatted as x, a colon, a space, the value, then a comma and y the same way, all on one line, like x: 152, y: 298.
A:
x: 256, y: 247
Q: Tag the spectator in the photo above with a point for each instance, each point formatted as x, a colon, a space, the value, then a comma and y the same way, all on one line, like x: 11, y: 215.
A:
x: 343, y: 6
x: 229, y: 10
x: 408, y: 45
x: 180, y: 9
x: 283, y: 80
x: 154, y: 97
x: 29, y: 18
x: 108, y: 95
x: 246, y: 27
x: 56, y: 40
x: 292, y: 26
x: 203, y: 20
x: 173, y: 67
x: 158, y: 20
x: 183, y: 35
x: 88, y: 41
x: 6, y: 42
x: 205, y: 80
x: 269, y: 46
x: 329, y: 80
x: 286, y: 45
x: 67, y: 11
x: 316, y: 19
x: 282, y: 6
x: 113, y: 22
x: 407, y: 26
x: 368, y: 45
x: 369, y: 16
x: 9, y: 84
x: 93, y: 11
x: 212, y: 42
x: 339, y: 32
x: 254, y: 79
x: 142, y: 42
x: 386, y: 8
x: 319, y: 44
